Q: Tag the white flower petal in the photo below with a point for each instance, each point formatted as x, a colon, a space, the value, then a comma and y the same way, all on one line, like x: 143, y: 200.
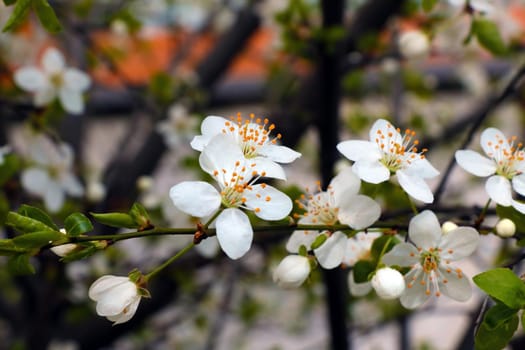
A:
x: 373, y: 172
x: 484, y: 6
x: 344, y: 184
x: 268, y: 202
x: 115, y: 300
x: 292, y: 271
x: 196, y: 198
x: 457, y: 288
x: 278, y: 153
x: 53, y: 61
x: 359, y: 150
x: 44, y: 96
x: 421, y: 167
x: 492, y: 137
x: 299, y: 238
x: 358, y: 247
x: 221, y: 152
x: 127, y: 314
x: 358, y: 211
x: 415, y: 186
x: 76, y: 80
x: 459, y: 243
x: 234, y: 232
x: 499, y: 190
x: 383, y: 128
x: 208, y: 248
x: 330, y: 254
x: 103, y: 284
x: 518, y: 206
x: 71, y: 100
x: 518, y: 183
x: 358, y: 289
x: 403, y: 254
x: 268, y: 168
x: 35, y: 180
x: 199, y: 142
x: 424, y: 230
x: 213, y: 125
x: 72, y: 185
x: 54, y: 196
x: 415, y: 292
x: 30, y: 79
x: 475, y: 163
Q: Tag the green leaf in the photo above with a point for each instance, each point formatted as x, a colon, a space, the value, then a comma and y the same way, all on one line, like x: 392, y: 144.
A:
x: 7, y: 248
x: 502, y: 285
x: 115, y: 219
x: 80, y: 254
x: 9, y: 2
x: 362, y: 270
x: 488, y: 36
x: 319, y: 240
x: 18, y: 15
x: 380, y: 245
x: 37, y: 214
x: 37, y: 239
x: 25, y: 224
x: 428, y: 5
x: 497, y: 315
x: 497, y: 338
x: 47, y: 16
x: 140, y: 216
x: 77, y: 224
x: 20, y: 265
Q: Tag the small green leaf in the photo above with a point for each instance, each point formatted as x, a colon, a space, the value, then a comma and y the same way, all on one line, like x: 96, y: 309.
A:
x: 20, y: 265
x: 77, y: 224
x: 115, y: 219
x: 37, y: 239
x: 488, y: 36
x: 9, y: 2
x: 362, y: 269
x: 8, y: 248
x: 18, y: 15
x: 502, y: 285
x: 380, y: 245
x: 37, y: 214
x: 319, y: 240
x: 47, y: 16
x: 497, y: 315
x: 497, y: 338
x: 428, y: 5
x: 25, y: 224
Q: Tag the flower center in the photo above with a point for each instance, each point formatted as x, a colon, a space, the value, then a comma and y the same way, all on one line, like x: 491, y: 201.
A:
x: 57, y: 80
x: 399, y: 151
x: 319, y: 207
x: 430, y: 260
x: 251, y: 133
x: 506, y: 155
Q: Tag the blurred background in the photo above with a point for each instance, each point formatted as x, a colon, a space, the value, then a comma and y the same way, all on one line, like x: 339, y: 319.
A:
x: 322, y: 71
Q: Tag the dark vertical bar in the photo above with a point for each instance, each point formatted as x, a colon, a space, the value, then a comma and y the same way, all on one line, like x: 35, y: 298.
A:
x: 327, y: 123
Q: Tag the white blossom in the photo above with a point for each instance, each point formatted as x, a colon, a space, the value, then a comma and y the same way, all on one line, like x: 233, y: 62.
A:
x: 504, y: 166
x: 178, y: 127
x: 390, y: 152
x: 50, y: 176
x: 117, y: 298
x: 342, y: 204
x: 292, y: 271
x: 236, y: 177
x: 253, y: 137
x: 430, y: 258
x: 53, y: 79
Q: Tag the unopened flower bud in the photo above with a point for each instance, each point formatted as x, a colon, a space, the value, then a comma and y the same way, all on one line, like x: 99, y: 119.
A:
x: 144, y: 183
x: 388, y: 283
x: 95, y: 191
x: 64, y: 249
x: 292, y: 271
x: 506, y: 228
x: 413, y: 44
x: 448, y: 226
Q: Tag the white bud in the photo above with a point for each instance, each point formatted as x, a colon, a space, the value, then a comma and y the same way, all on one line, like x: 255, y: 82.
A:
x: 413, y: 44
x: 448, y: 226
x: 388, y: 283
x: 506, y: 228
x: 64, y: 249
x: 144, y: 183
x: 292, y: 271
x: 95, y: 191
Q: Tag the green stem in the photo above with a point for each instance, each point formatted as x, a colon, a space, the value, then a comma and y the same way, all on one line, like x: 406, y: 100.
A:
x: 481, y: 216
x: 383, y: 251
x: 212, y: 218
x: 412, y: 205
x: 168, y: 262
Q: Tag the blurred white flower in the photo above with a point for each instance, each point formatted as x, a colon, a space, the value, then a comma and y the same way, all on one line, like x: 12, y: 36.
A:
x: 117, y: 298
x: 486, y: 6
x: 179, y: 127
x: 50, y: 176
x: 292, y: 271
x: 53, y: 79
x: 3, y: 151
x: 413, y: 44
